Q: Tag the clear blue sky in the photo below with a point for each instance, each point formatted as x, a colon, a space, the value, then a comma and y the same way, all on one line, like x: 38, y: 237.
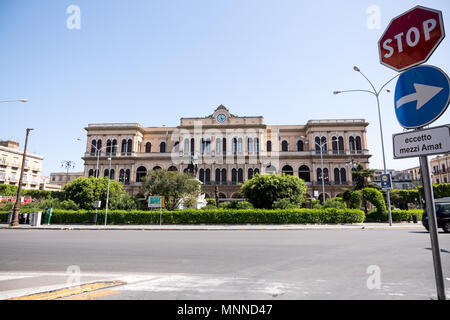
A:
x: 155, y: 61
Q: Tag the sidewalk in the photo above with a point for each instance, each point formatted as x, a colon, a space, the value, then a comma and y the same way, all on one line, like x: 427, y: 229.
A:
x: 251, y: 227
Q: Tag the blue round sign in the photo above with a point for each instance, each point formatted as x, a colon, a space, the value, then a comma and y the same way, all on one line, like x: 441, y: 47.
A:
x: 422, y: 94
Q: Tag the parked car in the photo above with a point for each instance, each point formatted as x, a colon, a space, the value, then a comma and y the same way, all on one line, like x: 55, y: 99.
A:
x: 442, y: 207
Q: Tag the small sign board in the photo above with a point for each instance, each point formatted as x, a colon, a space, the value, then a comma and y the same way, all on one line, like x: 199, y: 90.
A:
x: 97, y: 204
x: 425, y: 142
x: 156, y: 202
x: 386, y: 182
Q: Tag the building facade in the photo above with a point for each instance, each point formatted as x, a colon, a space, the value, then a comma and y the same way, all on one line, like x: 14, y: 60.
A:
x: 227, y: 149
x: 400, y: 179
x: 63, y: 178
x: 440, y: 172
x: 11, y: 164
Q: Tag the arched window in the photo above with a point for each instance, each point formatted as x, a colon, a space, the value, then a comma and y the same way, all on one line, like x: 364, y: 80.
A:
x: 93, y: 147
x: 114, y: 146
x: 90, y: 173
x: 141, y: 172
x: 240, y: 145
x: 234, y: 176
x: 208, y: 176
x: 250, y: 173
x: 323, y: 142
x: 192, y: 145
x: 250, y: 145
x: 256, y: 171
x: 319, y: 174
x: 240, y: 175
x: 341, y: 144
x: 287, y: 170
x: 351, y: 142
x: 224, y: 176
x: 129, y: 145
x: 337, y: 176
x: 284, y: 145
x: 127, y: 176
x: 218, y: 145
x: 299, y: 145
x: 156, y: 168
x: 217, y: 180
x: 124, y: 146
x: 201, y: 175
x: 186, y: 145
x: 105, y: 173
x: 108, y: 146
x: 148, y: 147
x: 224, y: 145
x: 303, y: 173
x: 334, y: 144
x: 112, y: 174
x: 234, y: 146
x: 172, y: 168
x: 325, y: 175
x: 343, y: 176
x: 162, y: 147
x: 269, y: 146
x: 256, y: 145
x: 122, y: 175
x: 358, y: 143
x: 317, y: 143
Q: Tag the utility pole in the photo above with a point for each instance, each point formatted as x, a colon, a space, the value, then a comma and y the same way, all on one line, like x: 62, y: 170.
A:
x: 16, y: 208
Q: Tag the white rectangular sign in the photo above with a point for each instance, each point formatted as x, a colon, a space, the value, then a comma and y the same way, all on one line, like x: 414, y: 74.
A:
x: 422, y: 142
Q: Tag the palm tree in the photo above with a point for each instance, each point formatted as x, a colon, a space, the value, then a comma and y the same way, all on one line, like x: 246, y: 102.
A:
x: 361, y: 176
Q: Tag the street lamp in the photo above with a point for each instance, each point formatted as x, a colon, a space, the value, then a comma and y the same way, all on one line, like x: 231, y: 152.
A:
x: 376, y: 94
x: 107, y: 192
x: 321, y: 145
x: 68, y: 165
x: 16, y: 208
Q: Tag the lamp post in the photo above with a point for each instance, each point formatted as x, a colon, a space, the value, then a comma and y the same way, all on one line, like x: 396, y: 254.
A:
x: 376, y: 94
x: 16, y: 208
x: 321, y: 145
x: 68, y: 165
x: 107, y: 192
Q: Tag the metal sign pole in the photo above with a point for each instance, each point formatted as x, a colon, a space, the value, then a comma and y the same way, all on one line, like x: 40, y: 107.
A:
x: 160, y: 215
x: 430, y: 209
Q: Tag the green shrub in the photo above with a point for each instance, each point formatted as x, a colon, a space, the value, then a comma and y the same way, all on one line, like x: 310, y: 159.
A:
x: 397, y: 215
x: 337, y: 203
x: 376, y: 198
x: 211, y: 201
x: 208, y: 216
x: 227, y: 205
x: 284, y: 204
x: 244, y: 205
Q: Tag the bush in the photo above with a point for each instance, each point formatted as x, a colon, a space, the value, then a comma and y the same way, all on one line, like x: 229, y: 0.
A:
x: 337, y: 203
x: 211, y: 201
x: 376, y: 198
x: 397, y: 215
x: 209, y: 216
x: 227, y: 205
x: 263, y: 190
x: 244, y: 205
x: 284, y: 204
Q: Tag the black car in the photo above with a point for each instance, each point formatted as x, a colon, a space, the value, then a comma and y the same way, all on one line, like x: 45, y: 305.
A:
x: 442, y: 214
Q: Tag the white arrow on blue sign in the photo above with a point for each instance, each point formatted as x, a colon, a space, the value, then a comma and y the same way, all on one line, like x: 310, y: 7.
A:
x: 422, y: 94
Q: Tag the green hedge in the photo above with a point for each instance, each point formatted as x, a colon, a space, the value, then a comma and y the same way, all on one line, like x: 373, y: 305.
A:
x: 210, y: 216
x: 397, y: 215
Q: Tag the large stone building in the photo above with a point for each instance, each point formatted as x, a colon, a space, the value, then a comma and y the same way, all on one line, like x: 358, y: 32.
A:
x: 227, y: 150
x: 439, y: 169
x: 11, y: 164
x: 63, y: 178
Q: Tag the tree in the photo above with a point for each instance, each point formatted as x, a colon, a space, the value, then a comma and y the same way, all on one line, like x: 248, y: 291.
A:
x: 361, y: 177
x: 84, y: 191
x: 263, y: 190
x: 173, y: 185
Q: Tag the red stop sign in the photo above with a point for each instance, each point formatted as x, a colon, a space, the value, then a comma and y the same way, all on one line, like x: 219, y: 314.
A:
x: 411, y: 38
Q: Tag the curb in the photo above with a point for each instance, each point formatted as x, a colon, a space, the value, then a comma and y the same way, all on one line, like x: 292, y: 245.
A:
x: 213, y: 228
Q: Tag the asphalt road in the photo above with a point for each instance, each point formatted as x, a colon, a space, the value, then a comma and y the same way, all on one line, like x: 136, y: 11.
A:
x: 289, y: 264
